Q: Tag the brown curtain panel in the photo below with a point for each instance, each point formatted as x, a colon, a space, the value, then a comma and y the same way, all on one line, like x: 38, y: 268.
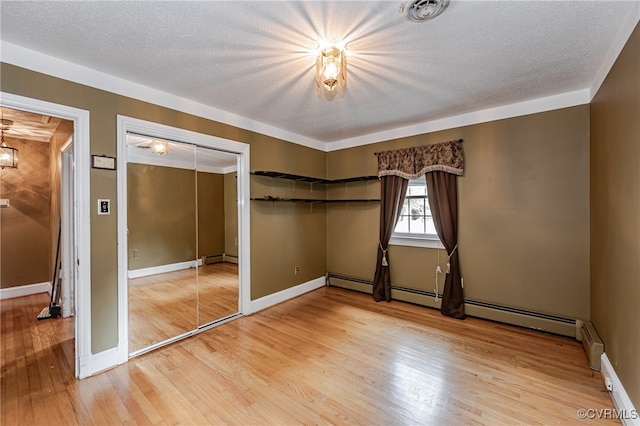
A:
x: 393, y: 190
x: 443, y: 200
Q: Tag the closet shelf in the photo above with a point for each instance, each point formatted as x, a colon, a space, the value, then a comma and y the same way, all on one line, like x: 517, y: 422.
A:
x: 311, y: 179
x: 299, y: 178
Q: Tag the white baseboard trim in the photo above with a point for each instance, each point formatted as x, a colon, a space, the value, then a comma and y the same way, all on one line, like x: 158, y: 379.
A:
x: 144, y: 272
x: 625, y: 410
x: 102, y: 361
x: 25, y: 290
x: 284, y: 295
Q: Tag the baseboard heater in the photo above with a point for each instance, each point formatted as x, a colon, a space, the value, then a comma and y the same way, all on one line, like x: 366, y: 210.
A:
x: 219, y: 258
x: 212, y: 258
x: 476, y: 308
x: 591, y: 342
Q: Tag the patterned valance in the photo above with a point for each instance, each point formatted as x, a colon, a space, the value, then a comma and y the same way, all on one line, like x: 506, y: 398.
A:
x: 411, y: 163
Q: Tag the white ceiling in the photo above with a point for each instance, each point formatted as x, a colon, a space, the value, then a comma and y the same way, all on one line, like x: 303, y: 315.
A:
x: 250, y: 64
x: 28, y: 126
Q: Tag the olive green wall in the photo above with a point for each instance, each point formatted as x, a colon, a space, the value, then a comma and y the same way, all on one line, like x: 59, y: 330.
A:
x: 231, y: 214
x: 161, y: 215
x: 25, y: 234
x: 269, y: 233
x: 211, y: 214
x: 524, y: 214
x: 615, y: 215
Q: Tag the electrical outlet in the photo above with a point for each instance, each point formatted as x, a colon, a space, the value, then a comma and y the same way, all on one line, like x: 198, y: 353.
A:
x: 135, y: 253
x: 296, y: 270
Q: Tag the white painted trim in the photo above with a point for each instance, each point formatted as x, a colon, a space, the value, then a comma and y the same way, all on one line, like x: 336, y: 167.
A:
x: 624, y: 32
x: 67, y: 228
x: 627, y: 412
x: 104, y: 360
x: 423, y: 242
x: 161, y: 269
x: 81, y: 213
x: 134, y: 125
x: 284, y: 295
x: 562, y: 100
x: 25, y: 290
x: 40, y: 62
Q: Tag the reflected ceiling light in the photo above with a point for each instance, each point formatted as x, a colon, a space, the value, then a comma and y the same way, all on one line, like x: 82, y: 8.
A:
x: 159, y: 147
x: 8, y: 155
x: 331, y: 68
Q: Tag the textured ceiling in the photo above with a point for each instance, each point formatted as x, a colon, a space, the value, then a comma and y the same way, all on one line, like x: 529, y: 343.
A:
x: 254, y: 60
x: 28, y: 126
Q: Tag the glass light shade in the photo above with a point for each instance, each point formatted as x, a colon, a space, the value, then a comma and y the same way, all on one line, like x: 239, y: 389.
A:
x: 331, y: 68
x: 8, y: 156
x: 159, y: 147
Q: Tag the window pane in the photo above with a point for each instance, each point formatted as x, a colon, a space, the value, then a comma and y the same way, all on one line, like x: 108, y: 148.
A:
x: 417, y: 225
x: 416, y: 214
x: 430, y: 228
x: 416, y: 208
x: 402, y: 225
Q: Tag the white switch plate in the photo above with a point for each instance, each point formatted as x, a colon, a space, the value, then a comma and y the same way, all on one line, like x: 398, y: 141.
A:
x: 4, y: 202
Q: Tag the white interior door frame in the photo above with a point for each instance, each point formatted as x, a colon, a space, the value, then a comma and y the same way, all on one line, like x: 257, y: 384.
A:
x: 161, y: 131
x: 81, y: 217
x: 67, y: 203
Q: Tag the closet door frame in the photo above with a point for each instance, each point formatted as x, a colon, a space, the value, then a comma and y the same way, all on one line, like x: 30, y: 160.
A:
x: 133, y: 125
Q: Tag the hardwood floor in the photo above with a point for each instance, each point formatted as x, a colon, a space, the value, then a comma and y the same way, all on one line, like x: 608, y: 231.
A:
x: 331, y: 356
x: 163, y: 306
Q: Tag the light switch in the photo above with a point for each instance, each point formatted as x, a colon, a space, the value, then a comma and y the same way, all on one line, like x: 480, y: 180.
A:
x: 104, y: 206
x: 4, y: 202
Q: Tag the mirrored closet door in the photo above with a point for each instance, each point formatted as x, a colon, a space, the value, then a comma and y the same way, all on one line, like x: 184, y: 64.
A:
x: 182, y: 239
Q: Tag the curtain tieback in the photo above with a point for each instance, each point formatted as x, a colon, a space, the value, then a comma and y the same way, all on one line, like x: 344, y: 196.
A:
x: 449, y: 260
x: 384, y: 255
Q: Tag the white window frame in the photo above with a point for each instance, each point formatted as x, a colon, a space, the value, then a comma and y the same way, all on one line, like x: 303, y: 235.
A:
x: 416, y: 240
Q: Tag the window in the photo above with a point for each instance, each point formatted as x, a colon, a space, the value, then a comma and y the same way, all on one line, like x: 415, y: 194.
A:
x: 415, y: 225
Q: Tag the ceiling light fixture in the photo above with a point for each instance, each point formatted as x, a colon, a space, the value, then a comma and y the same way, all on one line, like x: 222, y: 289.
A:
x: 159, y: 147
x: 8, y: 155
x: 331, y: 68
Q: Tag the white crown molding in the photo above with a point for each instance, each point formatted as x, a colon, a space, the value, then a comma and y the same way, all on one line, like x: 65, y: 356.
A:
x: 56, y: 67
x: 624, y: 32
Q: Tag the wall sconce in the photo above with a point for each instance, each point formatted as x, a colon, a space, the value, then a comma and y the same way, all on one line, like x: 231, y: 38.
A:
x: 159, y: 147
x: 8, y: 155
x: 331, y: 68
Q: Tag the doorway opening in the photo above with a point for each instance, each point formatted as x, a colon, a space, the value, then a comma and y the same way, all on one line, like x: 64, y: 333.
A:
x: 73, y: 212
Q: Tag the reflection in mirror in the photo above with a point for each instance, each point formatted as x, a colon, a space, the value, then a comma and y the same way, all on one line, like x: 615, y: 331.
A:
x: 182, y: 220
x: 161, y: 221
x: 218, y: 284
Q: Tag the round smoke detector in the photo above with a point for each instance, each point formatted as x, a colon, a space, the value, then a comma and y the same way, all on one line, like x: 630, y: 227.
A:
x: 423, y: 10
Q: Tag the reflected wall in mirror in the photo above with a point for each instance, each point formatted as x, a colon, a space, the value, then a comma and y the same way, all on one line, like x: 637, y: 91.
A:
x: 217, y: 198
x: 182, y: 271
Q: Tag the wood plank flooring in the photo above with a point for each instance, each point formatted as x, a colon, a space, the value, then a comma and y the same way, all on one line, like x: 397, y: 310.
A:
x: 163, y: 306
x: 331, y: 356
